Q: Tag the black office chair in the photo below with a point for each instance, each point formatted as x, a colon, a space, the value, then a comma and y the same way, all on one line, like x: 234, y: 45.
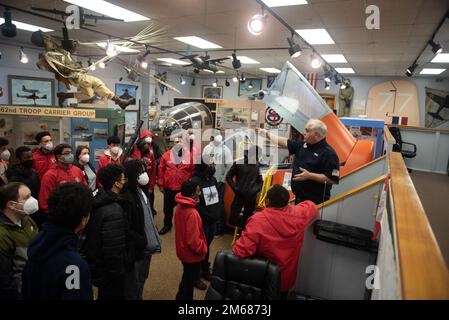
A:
x: 399, y: 145
x: 252, y: 278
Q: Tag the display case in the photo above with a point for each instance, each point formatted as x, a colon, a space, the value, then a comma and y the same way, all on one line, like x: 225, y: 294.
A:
x: 95, y: 132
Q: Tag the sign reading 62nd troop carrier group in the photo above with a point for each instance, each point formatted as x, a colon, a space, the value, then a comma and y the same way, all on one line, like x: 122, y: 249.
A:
x: 47, y: 112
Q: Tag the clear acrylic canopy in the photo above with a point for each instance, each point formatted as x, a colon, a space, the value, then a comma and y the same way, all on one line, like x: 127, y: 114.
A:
x: 293, y: 98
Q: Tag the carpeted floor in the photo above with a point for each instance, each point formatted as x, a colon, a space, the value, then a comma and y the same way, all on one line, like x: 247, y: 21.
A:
x: 433, y: 190
x: 166, y: 269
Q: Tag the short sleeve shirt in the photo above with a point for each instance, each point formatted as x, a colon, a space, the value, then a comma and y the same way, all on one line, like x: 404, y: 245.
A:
x: 316, y: 158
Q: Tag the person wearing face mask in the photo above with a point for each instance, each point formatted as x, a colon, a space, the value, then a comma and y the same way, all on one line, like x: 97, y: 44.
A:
x: 113, y: 154
x: 17, y: 229
x: 4, y: 158
x: 43, y: 157
x: 53, y: 258
x: 144, y: 150
x: 82, y: 161
x: 175, y: 167
x: 191, y: 244
x: 219, y: 153
x: 23, y: 172
x: 209, y: 208
x: 63, y: 172
x: 245, y: 180
x: 107, y: 244
x: 143, y: 232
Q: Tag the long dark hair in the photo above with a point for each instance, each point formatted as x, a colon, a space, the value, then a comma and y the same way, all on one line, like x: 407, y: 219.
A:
x: 133, y: 169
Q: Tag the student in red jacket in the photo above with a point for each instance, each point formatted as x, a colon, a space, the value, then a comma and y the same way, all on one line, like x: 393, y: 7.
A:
x: 176, y: 167
x: 43, y: 157
x: 277, y: 233
x: 63, y: 172
x: 113, y: 154
x: 191, y: 246
x: 143, y: 150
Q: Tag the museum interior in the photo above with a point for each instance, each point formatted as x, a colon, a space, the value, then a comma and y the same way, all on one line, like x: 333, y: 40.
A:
x: 157, y: 109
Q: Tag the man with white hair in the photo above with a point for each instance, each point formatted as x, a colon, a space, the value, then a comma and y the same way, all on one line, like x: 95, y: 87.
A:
x: 315, y: 166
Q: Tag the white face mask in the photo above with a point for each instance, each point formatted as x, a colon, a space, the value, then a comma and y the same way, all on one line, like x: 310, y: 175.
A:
x: 30, y: 206
x: 148, y: 139
x: 5, y: 155
x: 48, y: 146
x: 218, y: 139
x: 115, y: 150
x: 143, y: 179
x: 85, y: 158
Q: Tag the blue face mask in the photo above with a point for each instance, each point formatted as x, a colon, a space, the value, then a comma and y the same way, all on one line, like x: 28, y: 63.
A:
x: 68, y: 158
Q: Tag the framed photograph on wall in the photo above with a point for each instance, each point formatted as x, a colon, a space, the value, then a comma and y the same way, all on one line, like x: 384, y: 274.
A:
x: 126, y: 91
x: 270, y: 80
x: 211, y: 92
x: 31, y: 91
x: 131, y: 122
x: 250, y: 87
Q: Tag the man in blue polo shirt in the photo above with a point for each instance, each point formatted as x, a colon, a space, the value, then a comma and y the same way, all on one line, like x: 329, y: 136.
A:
x: 316, y: 165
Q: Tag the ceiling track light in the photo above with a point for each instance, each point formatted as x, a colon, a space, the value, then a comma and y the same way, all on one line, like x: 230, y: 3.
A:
x: 327, y: 86
x: 295, y: 49
x: 236, y: 64
x: 141, y: 58
x: 316, y: 62
x: 23, y: 56
x: 183, y: 81
x: 250, y: 85
x: 193, y: 82
x: 102, y: 65
x: 215, y: 83
x: 327, y: 74
x: 411, y: 69
x: 235, y: 78
x: 436, y: 47
x: 257, y: 23
x: 227, y: 84
x: 242, y: 78
x: 8, y: 28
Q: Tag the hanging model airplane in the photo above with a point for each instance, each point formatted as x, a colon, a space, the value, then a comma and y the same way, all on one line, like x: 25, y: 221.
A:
x: 82, y: 14
x: 200, y: 63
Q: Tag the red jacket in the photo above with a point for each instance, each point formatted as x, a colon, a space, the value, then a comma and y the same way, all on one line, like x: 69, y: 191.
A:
x: 277, y: 234
x: 172, y: 176
x: 106, y: 159
x: 191, y: 243
x: 42, y: 162
x: 149, y: 160
x: 53, y: 178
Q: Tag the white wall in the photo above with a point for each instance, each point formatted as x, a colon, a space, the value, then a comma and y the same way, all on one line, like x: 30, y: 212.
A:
x: 362, y: 85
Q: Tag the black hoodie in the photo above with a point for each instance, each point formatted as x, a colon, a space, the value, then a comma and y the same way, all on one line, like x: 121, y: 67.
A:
x: 55, y: 269
x: 107, y: 238
x: 209, y: 188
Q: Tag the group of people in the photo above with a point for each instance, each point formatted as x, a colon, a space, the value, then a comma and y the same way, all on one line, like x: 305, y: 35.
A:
x: 65, y: 225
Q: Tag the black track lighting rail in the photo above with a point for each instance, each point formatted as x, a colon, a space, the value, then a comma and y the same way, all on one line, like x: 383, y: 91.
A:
x: 415, y: 62
x: 286, y: 25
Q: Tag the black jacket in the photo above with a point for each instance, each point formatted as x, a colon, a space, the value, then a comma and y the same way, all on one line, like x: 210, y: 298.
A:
x: 107, y: 240
x: 211, y: 213
x: 248, y: 180
x: 53, y: 261
x: 28, y: 176
x: 136, y: 221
